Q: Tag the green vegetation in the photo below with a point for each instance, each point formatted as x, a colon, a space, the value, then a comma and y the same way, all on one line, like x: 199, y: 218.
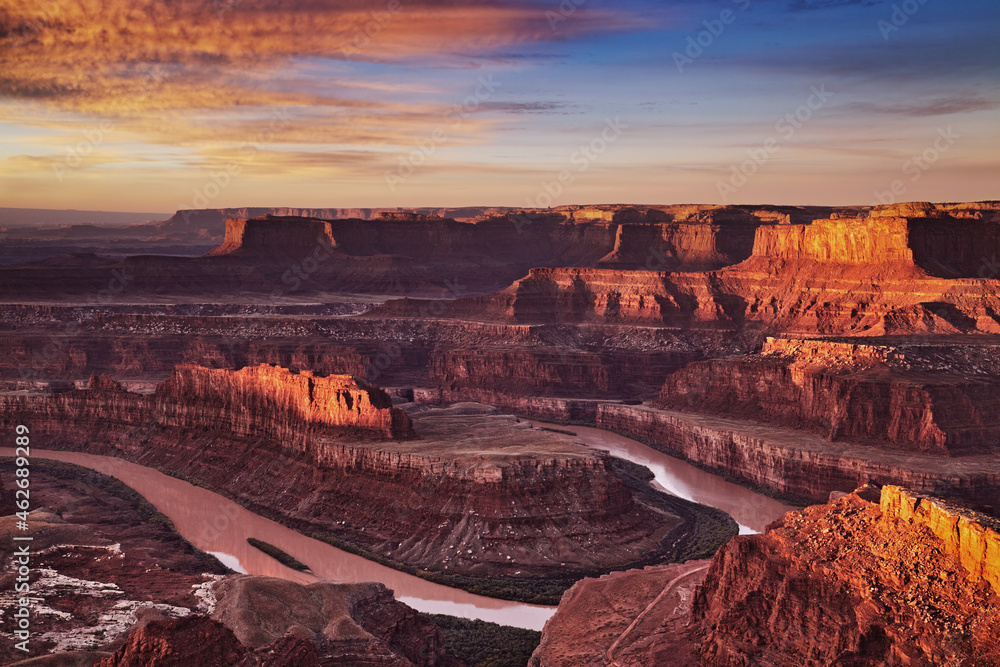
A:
x: 277, y: 554
x: 532, y: 590
x: 702, y: 531
x: 557, y: 430
x: 482, y: 644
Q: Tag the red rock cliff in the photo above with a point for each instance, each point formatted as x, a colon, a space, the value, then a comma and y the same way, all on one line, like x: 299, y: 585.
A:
x: 869, y: 393
x: 908, y: 581
x: 268, y: 398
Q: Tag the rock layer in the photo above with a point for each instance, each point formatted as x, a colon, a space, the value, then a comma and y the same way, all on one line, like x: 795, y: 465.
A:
x: 798, y: 464
x: 876, y: 394
x: 266, y: 399
x: 854, y: 582
x: 635, y: 618
x: 900, y: 269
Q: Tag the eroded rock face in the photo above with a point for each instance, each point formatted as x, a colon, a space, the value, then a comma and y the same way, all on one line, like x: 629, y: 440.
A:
x: 265, y: 622
x: 869, y: 579
x: 878, y: 394
x: 195, y: 641
x: 501, y: 376
x: 972, y: 538
x: 258, y: 401
x: 798, y: 463
x: 269, y: 399
x: 636, y: 617
x: 900, y: 270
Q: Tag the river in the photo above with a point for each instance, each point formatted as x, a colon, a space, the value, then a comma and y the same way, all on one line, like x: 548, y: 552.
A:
x: 752, y: 511
x: 221, y: 527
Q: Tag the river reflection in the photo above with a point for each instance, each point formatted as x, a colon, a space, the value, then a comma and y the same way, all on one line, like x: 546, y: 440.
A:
x: 753, y: 511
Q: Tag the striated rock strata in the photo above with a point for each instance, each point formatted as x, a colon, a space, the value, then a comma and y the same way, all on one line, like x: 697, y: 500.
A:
x: 900, y: 579
x: 799, y: 464
x: 889, y: 270
x: 885, y: 395
x: 873, y: 578
x: 275, y: 401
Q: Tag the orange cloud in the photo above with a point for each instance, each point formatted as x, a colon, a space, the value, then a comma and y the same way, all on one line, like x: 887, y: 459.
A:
x: 121, y: 57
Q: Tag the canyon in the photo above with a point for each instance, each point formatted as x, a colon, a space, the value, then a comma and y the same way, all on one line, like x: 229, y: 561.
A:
x: 457, y: 492
x: 874, y: 577
x: 379, y: 367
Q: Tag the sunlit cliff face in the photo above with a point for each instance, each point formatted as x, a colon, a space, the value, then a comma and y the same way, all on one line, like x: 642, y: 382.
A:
x: 141, y: 103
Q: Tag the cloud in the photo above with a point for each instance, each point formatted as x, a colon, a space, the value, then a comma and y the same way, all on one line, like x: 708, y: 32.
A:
x: 540, y: 107
x: 121, y: 57
x: 944, y: 106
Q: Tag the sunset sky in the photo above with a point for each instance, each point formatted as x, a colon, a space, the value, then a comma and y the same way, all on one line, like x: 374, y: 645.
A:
x: 155, y: 105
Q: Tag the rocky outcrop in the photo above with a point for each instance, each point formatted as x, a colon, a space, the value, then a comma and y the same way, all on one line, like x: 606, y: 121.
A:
x: 603, y: 296
x: 128, y: 348
x: 515, y: 373
x: 274, y: 401
x: 799, y: 464
x: 213, y: 220
x: 258, y: 401
x: 969, y: 537
x: 265, y: 622
x: 882, y: 395
x: 636, y: 617
x: 195, y: 640
x: 864, y: 580
x: 356, y: 624
x: 901, y: 270
x: 277, y: 236
x: 100, y: 559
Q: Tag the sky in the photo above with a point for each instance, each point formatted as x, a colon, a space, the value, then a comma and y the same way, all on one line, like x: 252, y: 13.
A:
x: 152, y: 105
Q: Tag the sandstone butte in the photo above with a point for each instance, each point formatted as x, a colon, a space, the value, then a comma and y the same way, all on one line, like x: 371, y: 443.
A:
x: 450, y: 492
x: 892, y: 269
x: 873, y: 578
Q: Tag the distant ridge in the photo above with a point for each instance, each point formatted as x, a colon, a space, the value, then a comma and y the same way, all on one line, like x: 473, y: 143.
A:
x: 14, y: 218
